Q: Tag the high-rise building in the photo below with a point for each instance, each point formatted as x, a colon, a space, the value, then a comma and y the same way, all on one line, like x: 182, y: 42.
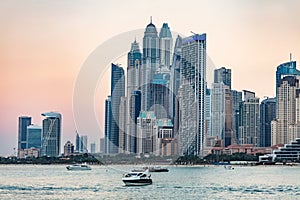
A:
x: 267, y: 114
x: 77, y: 142
x: 117, y: 91
x: 133, y: 105
x: 151, y: 61
x: 68, y: 148
x: 165, y: 45
x: 107, y: 126
x: 192, y: 93
x: 217, y: 117
x: 223, y: 75
x: 122, y: 126
x: 175, y: 76
x: 134, y: 110
x: 249, y: 130
x: 236, y: 102
x: 83, y: 144
x: 229, y: 132
x: 286, y: 110
x: 24, y: 121
x: 34, y: 136
x: 208, y: 113
x: 146, y: 134
x: 51, y: 134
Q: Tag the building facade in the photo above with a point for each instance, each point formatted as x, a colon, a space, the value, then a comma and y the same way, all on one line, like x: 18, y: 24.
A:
x: 117, y: 91
x: 249, y: 130
x: 267, y: 114
x: 34, y: 136
x: 24, y: 121
x: 51, y: 134
x: 192, y: 93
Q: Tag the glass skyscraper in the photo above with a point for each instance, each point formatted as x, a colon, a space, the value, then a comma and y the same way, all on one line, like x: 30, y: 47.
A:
x: 24, y: 121
x: 117, y: 91
x: 51, y: 135
x: 267, y: 114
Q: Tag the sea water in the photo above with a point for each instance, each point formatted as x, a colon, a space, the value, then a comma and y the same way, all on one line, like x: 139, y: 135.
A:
x: 181, y: 182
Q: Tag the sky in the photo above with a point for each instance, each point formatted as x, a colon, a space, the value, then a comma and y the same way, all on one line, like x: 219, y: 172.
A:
x: 45, y: 43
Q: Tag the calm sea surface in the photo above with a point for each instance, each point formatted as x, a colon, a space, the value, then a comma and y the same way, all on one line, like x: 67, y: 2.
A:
x: 213, y: 182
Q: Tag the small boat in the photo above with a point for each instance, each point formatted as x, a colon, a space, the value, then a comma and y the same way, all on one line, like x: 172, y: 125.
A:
x: 79, y: 167
x: 228, y: 167
x: 158, y: 169
x: 151, y: 169
x: 137, y: 178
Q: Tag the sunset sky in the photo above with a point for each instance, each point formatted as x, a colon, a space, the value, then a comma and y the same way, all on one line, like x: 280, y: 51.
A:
x: 44, y: 44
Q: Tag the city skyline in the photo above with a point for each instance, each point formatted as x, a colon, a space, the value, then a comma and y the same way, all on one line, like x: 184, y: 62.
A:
x: 37, y: 76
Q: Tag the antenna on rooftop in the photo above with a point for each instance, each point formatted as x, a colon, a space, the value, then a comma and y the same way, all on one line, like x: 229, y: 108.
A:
x: 193, y: 33
x: 290, y: 57
x: 150, y: 19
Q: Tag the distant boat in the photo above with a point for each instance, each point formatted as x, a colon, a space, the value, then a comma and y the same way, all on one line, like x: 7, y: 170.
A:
x: 79, y: 167
x: 137, y: 178
x: 151, y: 169
x: 228, y: 167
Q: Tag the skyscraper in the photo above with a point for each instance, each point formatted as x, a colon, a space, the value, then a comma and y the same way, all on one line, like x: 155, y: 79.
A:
x: 223, y: 75
x: 77, y: 142
x: 117, y: 91
x: 134, y: 111
x: 122, y: 125
x: 249, y: 130
x: 133, y: 105
x: 34, y: 136
x: 51, y: 138
x: 217, y: 94
x: 24, y: 121
x: 236, y: 102
x: 83, y: 144
x: 175, y: 76
x: 107, y: 126
x: 267, y: 114
x: 286, y: 110
x: 192, y: 94
x: 165, y: 45
x: 151, y: 61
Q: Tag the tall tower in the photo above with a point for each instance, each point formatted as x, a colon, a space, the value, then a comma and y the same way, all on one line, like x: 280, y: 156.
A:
x: 175, y: 77
x: 77, y: 139
x: 286, y: 110
x: 134, y: 110
x: 267, y: 114
x: 249, y: 132
x: 51, y: 138
x: 165, y: 45
x: 24, y: 121
x: 217, y: 94
x: 151, y: 62
x: 134, y: 78
x: 117, y: 91
x: 107, y: 126
x: 192, y: 93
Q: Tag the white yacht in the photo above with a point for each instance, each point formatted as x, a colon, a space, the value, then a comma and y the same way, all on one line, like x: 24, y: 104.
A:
x: 79, y: 167
x: 137, y: 178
